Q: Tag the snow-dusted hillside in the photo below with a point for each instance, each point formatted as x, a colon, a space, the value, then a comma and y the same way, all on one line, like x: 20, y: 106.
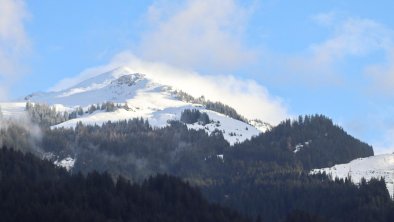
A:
x: 370, y: 167
x: 139, y: 96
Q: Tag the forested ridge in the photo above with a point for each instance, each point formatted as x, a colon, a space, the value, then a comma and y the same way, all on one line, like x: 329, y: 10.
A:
x: 320, y: 142
x: 265, y: 178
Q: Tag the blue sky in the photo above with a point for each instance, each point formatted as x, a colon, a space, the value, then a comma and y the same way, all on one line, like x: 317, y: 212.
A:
x: 330, y: 57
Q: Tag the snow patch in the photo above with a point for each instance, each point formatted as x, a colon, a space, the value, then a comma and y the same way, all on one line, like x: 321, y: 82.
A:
x: 260, y: 125
x: 67, y: 163
x: 299, y: 146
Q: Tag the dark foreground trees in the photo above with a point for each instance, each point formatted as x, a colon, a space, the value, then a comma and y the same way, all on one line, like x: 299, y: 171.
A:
x: 34, y: 190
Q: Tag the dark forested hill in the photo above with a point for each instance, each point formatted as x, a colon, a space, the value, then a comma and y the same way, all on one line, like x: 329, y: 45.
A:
x: 266, y: 176
x: 34, y: 190
x: 313, y: 140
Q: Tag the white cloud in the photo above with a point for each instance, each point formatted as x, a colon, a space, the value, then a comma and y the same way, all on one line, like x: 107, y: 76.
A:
x: 374, y: 127
x: 382, y: 75
x: 386, y: 144
x: 351, y: 38
x: 326, y: 19
x: 14, y: 42
x: 246, y: 96
x: 196, y: 34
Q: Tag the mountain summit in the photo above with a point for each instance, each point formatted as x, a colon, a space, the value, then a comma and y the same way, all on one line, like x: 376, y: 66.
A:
x: 116, y: 86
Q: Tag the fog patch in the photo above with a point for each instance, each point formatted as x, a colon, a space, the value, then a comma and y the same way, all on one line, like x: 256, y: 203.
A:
x: 20, y: 133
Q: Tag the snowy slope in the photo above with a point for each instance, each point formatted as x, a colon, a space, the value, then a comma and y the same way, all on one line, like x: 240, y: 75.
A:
x: 370, y: 167
x: 144, y: 98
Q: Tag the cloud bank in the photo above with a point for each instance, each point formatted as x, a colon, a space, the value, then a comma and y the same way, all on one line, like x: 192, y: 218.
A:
x: 14, y: 43
x: 246, y: 96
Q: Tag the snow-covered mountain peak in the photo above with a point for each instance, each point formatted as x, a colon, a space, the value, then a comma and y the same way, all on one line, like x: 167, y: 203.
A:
x: 104, y: 78
x: 136, y: 95
x: 128, y: 80
x: 115, y: 86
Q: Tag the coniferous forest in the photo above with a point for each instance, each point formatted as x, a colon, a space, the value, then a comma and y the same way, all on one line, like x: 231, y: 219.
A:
x: 34, y: 190
x: 265, y: 179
